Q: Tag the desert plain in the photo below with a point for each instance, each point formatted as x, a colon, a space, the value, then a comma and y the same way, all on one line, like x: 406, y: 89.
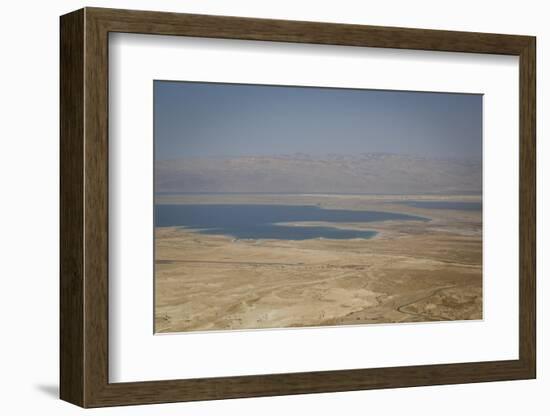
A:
x: 411, y: 271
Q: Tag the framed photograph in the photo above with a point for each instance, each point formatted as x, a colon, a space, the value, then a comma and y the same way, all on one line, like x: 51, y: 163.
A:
x: 255, y: 207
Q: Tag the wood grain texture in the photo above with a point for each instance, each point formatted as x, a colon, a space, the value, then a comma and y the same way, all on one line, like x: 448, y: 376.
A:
x: 162, y: 23
x: 527, y: 208
x: 71, y: 208
x: 84, y: 207
x: 96, y: 219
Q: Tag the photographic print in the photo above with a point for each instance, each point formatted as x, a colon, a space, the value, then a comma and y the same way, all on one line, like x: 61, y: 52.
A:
x: 288, y: 206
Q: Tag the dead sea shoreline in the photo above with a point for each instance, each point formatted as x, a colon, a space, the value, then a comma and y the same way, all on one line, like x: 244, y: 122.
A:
x: 411, y: 271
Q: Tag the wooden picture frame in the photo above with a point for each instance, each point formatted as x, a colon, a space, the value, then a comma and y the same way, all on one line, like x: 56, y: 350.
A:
x: 84, y: 207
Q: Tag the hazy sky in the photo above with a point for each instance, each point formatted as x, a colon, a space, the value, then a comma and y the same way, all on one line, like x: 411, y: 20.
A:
x: 212, y: 120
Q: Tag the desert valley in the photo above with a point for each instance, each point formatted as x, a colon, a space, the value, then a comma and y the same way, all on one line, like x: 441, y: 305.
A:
x: 394, y: 257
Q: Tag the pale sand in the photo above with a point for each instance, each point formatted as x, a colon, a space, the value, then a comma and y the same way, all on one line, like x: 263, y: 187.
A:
x: 412, y: 271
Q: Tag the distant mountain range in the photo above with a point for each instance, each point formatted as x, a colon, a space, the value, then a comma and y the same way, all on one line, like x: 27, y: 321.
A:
x: 370, y: 173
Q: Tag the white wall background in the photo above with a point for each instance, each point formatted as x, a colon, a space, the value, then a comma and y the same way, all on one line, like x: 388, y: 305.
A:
x: 29, y: 160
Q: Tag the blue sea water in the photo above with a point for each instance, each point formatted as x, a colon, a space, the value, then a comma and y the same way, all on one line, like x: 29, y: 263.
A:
x: 261, y: 221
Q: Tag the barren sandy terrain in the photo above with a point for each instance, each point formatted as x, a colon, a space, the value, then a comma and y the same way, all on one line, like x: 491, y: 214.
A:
x: 411, y: 271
